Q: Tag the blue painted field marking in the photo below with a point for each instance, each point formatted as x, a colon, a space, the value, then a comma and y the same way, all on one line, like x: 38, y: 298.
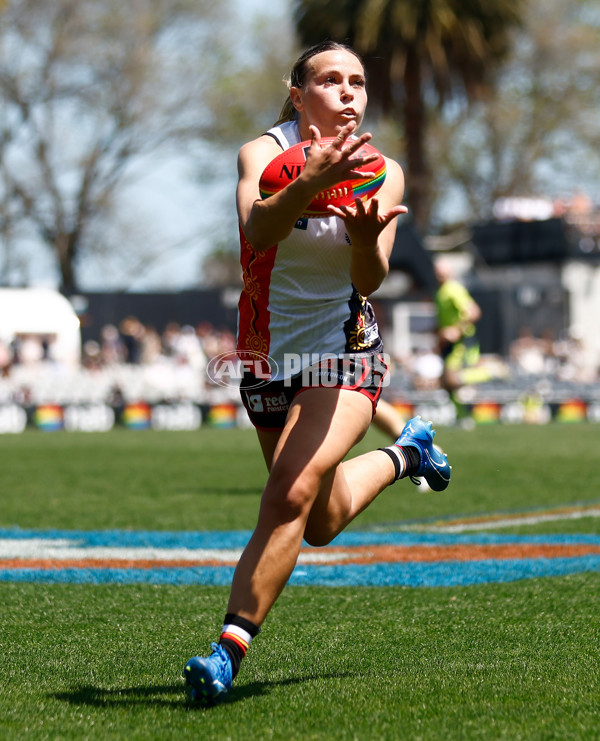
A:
x: 417, y: 573
x: 238, y: 538
x: 412, y: 574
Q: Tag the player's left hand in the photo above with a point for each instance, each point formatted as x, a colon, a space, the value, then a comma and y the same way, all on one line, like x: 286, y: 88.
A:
x: 363, y: 221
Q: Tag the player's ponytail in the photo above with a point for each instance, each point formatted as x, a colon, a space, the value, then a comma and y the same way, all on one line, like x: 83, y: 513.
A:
x: 287, y: 113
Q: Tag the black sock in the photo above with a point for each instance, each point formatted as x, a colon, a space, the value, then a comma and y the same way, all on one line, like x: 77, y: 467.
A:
x: 406, y: 460
x: 235, y: 654
x: 236, y: 643
x: 413, y: 459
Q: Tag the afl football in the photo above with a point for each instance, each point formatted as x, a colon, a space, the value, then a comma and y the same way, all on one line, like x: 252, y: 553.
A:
x: 290, y: 163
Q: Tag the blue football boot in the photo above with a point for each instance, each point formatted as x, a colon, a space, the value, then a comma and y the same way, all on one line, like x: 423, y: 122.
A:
x: 434, y: 466
x: 209, y: 677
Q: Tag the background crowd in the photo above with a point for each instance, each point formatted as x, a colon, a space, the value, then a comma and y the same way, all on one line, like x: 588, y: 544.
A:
x: 129, y: 362
x: 133, y: 361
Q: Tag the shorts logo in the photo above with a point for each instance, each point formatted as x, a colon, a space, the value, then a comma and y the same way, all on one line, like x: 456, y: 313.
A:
x: 267, y: 402
x: 227, y: 369
x: 255, y: 403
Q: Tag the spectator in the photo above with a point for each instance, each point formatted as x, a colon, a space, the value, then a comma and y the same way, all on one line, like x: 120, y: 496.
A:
x: 132, y: 333
x: 528, y: 353
x: 5, y: 359
x: 111, y: 347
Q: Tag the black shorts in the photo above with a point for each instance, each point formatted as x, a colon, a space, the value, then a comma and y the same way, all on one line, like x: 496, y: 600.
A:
x: 268, y: 402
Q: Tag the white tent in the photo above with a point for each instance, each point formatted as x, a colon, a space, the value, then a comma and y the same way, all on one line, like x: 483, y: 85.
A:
x: 41, y: 312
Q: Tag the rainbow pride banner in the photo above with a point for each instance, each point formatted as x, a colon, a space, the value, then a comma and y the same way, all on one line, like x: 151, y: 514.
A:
x: 485, y: 413
x: 574, y: 410
x: 222, y: 415
x: 49, y: 417
x: 137, y: 416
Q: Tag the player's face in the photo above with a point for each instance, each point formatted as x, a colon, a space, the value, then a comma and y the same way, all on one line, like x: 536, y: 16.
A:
x: 333, y: 94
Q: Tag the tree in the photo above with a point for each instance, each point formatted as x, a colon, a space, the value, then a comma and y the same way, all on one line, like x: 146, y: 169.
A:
x: 88, y: 88
x: 538, y: 133
x: 416, y: 52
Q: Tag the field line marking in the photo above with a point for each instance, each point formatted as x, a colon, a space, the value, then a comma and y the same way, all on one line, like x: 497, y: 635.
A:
x: 512, y: 520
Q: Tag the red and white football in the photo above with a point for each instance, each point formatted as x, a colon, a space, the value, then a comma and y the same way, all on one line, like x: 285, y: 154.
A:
x: 290, y: 163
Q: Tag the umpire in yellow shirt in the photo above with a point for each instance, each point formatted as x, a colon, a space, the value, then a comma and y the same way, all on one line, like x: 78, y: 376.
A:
x: 457, y: 314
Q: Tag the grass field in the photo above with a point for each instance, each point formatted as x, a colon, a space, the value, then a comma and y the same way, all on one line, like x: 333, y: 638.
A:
x: 515, y: 660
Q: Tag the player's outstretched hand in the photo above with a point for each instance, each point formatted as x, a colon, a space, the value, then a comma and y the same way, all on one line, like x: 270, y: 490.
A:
x: 363, y: 221
x: 336, y: 161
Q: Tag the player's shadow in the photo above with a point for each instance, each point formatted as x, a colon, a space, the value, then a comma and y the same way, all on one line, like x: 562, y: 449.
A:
x: 172, y: 695
x: 100, y: 697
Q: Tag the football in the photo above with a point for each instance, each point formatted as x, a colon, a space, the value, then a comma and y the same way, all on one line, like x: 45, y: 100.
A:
x: 289, y: 164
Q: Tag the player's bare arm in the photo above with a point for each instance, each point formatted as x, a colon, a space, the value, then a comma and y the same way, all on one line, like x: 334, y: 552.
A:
x: 266, y: 222
x: 371, y: 227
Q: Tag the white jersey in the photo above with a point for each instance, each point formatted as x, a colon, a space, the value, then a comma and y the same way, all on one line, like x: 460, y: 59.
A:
x: 298, y: 300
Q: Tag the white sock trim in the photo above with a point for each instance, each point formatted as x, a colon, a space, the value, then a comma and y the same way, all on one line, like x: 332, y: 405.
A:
x: 401, y: 460
x: 237, y: 631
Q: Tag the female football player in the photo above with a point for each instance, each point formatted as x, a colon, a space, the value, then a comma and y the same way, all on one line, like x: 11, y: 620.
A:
x: 305, y: 307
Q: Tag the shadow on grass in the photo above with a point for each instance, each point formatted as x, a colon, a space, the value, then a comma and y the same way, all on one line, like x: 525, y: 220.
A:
x: 172, y: 695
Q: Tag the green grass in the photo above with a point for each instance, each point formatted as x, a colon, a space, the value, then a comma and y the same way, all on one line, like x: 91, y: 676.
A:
x: 212, y: 479
x: 127, y: 479
x: 495, y: 661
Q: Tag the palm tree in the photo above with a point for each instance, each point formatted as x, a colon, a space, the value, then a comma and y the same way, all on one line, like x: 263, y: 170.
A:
x: 416, y: 51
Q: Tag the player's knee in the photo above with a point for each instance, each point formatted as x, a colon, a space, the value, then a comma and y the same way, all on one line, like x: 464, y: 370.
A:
x: 319, y: 537
x: 324, y: 523
x: 290, y: 496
